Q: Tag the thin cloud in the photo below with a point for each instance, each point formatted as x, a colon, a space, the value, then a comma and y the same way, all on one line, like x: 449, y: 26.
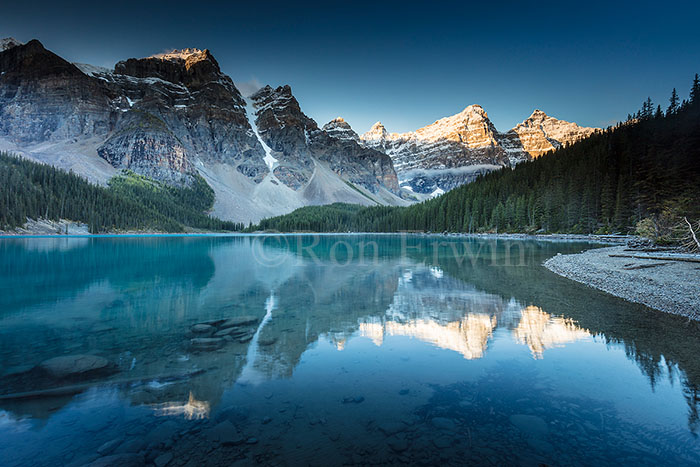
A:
x: 250, y: 87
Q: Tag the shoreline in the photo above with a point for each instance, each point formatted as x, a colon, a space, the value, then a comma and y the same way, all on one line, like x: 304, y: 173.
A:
x: 79, y: 233
x: 666, y: 282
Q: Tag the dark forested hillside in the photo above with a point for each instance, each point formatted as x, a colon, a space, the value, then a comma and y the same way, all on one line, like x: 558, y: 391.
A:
x: 645, y: 172
x: 131, y: 202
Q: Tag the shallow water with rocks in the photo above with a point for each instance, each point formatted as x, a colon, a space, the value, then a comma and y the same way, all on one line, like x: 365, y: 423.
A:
x: 331, y: 350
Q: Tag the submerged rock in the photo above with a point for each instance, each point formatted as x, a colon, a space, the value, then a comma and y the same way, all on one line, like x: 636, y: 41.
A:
x: 391, y: 427
x: 442, y: 423
x: 534, y: 430
x: 122, y: 460
x: 226, y: 433
x: 397, y: 444
x: 246, y: 338
x: 73, y: 366
x: 265, y: 341
x: 238, y: 321
x: 442, y: 442
x: 163, y: 459
x: 203, y: 329
x: 224, y: 332
x: 109, y: 446
x: 207, y: 343
x: 215, y: 322
x: 353, y: 400
x: 530, y: 425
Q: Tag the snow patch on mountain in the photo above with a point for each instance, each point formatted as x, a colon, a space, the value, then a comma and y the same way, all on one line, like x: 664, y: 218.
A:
x: 92, y: 70
x: 269, y: 159
x: 9, y: 42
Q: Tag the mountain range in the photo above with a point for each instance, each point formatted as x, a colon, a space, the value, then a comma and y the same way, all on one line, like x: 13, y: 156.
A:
x: 457, y: 149
x: 174, y: 116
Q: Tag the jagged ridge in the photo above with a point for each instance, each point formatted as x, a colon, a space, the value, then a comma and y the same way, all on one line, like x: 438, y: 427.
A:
x: 456, y: 149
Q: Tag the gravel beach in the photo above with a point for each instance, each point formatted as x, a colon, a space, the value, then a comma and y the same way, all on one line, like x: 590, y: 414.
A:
x: 661, y: 282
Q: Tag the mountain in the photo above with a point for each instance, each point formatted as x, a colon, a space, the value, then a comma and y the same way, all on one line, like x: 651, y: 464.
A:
x: 457, y: 149
x: 641, y: 174
x: 175, y: 116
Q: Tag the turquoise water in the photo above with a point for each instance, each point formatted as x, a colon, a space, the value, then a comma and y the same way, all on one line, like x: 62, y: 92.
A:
x: 356, y: 350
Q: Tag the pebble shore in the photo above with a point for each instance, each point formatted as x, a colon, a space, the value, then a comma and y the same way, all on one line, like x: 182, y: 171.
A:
x: 663, y: 283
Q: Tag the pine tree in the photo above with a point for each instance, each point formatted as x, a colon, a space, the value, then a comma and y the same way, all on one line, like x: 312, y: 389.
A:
x: 673, y: 103
x: 659, y: 113
x: 647, y: 109
x: 695, y: 90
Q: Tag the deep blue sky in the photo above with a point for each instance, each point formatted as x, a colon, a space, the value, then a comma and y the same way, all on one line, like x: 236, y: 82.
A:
x: 402, y: 63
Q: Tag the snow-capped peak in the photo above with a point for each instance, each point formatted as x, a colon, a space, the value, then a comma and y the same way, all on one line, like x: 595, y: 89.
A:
x: 340, y: 129
x: 8, y: 43
x: 182, y: 54
x: 377, y: 132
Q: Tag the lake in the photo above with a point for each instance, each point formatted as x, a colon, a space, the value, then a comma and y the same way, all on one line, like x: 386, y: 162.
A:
x: 331, y: 350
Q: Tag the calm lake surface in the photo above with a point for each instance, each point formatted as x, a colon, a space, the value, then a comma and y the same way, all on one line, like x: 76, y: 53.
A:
x: 340, y: 350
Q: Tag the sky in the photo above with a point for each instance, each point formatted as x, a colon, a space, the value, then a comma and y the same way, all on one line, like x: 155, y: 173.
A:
x: 405, y: 64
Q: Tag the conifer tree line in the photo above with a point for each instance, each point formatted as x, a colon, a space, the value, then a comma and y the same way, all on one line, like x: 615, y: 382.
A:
x: 645, y: 171
x: 130, y: 202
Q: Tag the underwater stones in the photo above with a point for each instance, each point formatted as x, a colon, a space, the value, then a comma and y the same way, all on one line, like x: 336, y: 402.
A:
x: 233, y: 332
x: 265, y: 341
x: 205, y: 329
x: 109, y: 446
x: 215, y: 322
x: 215, y: 334
x: 442, y: 423
x: 226, y: 433
x: 207, y: 343
x: 163, y: 433
x: 442, y: 442
x: 133, y: 445
x: 534, y: 430
x: 224, y: 332
x: 397, y: 444
x: 391, y: 427
x: 75, y: 366
x: 246, y: 338
x: 353, y: 400
x: 238, y: 321
x: 530, y: 425
x: 163, y: 459
x: 122, y: 460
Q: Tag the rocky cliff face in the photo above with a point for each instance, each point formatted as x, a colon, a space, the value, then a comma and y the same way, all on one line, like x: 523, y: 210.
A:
x: 172, y: 115
x: 457, y: 149
x: 144, y: 144
x: 540, y: 133
x: 197, y: 104
x: 44, y: 98
x: 298, y: 144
